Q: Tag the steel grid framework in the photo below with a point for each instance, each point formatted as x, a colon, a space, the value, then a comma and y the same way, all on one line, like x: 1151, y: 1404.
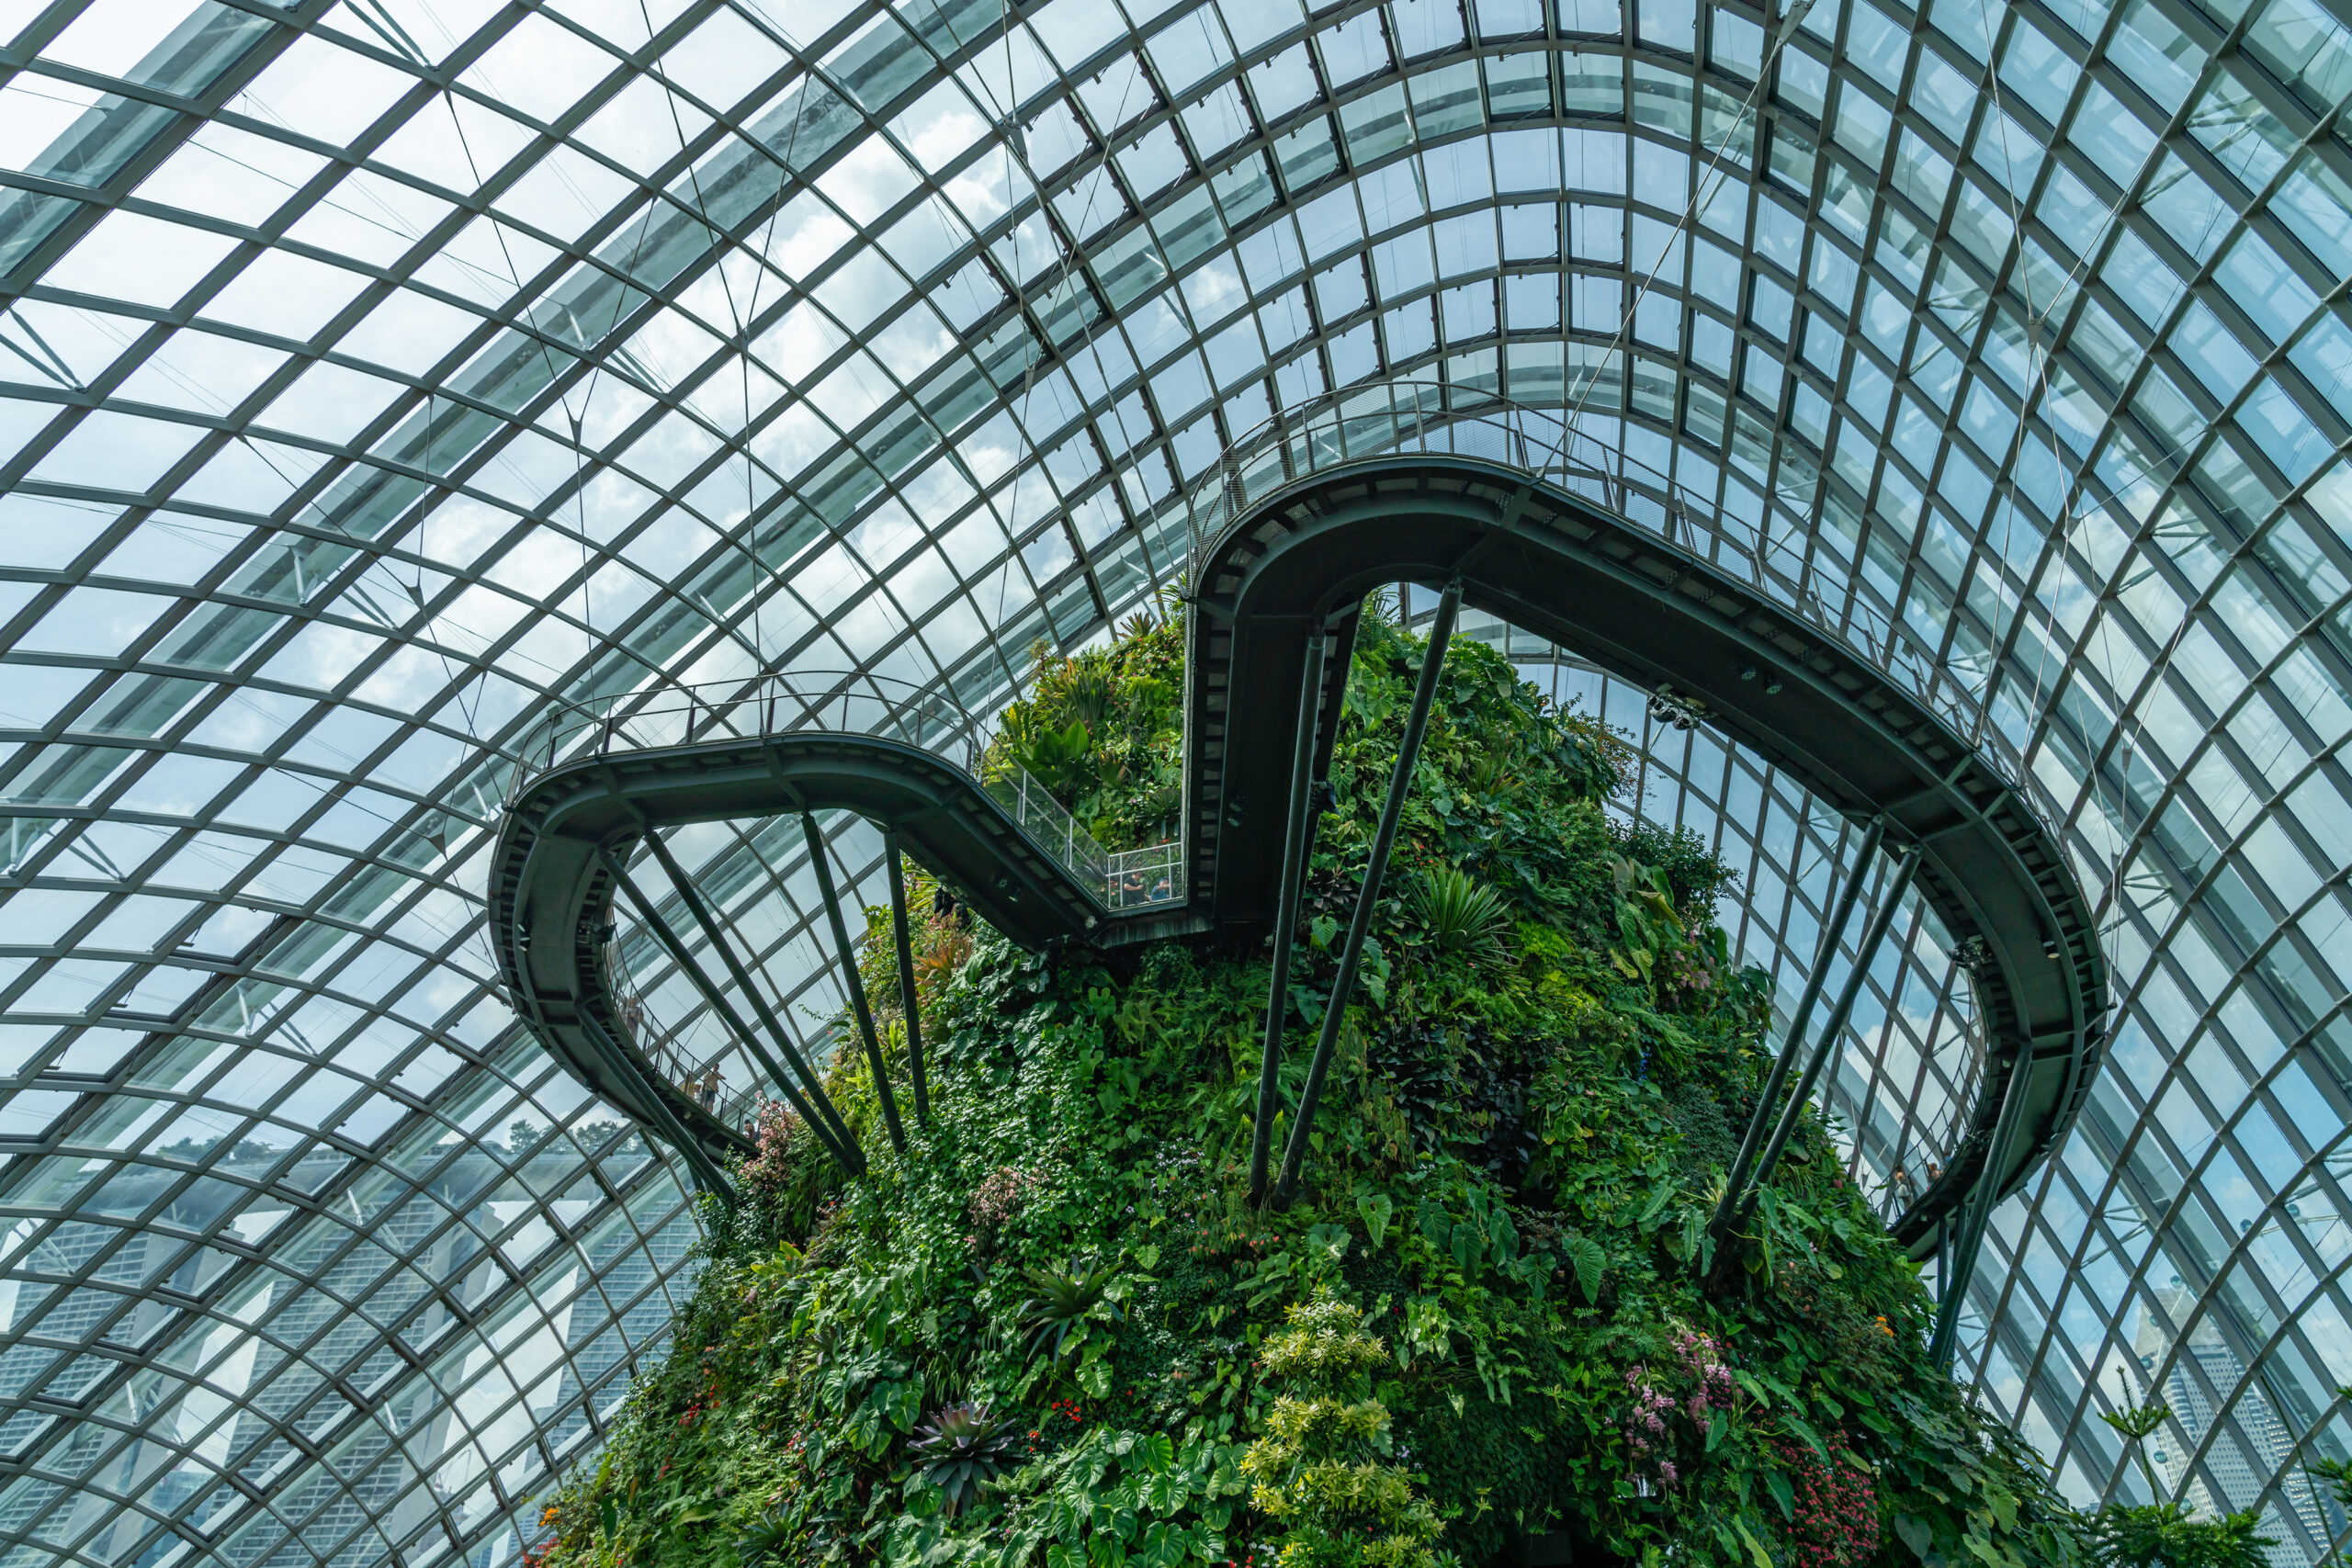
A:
x: 376, y: 371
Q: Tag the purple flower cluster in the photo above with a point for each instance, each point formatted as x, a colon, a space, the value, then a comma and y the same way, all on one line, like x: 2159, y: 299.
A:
x: 1702, y: 1362
x: 1644, y: 1425
x: 1695, y: 1384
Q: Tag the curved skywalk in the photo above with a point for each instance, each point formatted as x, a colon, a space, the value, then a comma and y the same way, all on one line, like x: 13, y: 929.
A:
x: 1291, y: 525
x: 373, y: 376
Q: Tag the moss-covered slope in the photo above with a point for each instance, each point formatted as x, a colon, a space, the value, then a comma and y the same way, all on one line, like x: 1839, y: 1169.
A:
x: 1056, y: 1333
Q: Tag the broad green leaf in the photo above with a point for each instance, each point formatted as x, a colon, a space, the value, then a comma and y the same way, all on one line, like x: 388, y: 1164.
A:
x: 1590, y: 1263
x: 1375, y: 1209
x: 1465, y: 1245
x: 1812, y: 1439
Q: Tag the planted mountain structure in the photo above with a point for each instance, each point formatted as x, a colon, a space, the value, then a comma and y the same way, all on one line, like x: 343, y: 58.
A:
x: 1496, y: 1312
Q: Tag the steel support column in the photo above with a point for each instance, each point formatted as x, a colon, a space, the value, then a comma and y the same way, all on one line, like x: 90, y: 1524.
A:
x: 1952, y: 1286
x: 906, y: 1004
x: 1351, y: 956
x: 852, y: 983
x: 1841, y: 910
x: 701, y: 911
x: 1890, y: 904
x: 827, y: 1127
x: 1295, y: 841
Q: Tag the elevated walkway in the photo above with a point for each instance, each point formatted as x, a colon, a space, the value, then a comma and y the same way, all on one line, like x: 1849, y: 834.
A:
x: 1290, y: 533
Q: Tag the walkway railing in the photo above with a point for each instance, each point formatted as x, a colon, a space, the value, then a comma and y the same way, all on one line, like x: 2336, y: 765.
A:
x: 832, y: 702
x: 1401, y: 419
x: 1406, y: 417
x: 695, y: 1078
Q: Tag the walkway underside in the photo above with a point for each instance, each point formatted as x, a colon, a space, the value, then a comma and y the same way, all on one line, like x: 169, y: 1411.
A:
x: 551, y: 898
x: 1621, y: 596
x: 1305, y: 559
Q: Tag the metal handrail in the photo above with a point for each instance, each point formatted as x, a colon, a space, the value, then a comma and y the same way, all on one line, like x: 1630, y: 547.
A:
x: 842, y: 703
x: 1400, y: 418
x: 642, y: 1032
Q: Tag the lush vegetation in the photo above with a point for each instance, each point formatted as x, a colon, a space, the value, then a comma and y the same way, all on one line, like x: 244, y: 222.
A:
x: 1057, y: 1333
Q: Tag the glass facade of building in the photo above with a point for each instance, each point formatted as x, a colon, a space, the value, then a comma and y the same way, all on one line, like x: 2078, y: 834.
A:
x: 372, y: 371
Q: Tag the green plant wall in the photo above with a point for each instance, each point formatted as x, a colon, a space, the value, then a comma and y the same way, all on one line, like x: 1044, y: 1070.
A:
x: 1056, y: 1333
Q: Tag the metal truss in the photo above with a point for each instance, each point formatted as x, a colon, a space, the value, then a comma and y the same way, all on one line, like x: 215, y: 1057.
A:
x: 375, y: 373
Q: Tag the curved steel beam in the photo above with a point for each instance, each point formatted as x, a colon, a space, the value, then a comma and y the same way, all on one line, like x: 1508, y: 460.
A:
x: 1302, y: 558
x: 550, y: 895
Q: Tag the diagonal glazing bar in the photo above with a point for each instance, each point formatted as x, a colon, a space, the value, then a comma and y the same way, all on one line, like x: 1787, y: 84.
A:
x: 906, y: 1004
x: 844, y: 1152
x: 1400, y: 784
x: 1842, y: 910
x: 1295, y: 852
x: 853, y: 982
x: 831, y: 1129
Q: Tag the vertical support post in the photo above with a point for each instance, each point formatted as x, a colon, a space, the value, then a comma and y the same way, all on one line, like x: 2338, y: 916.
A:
x: 1352, y: 956
x: 1977, y: 1213
x: 1943, y: 1261
x: 1302, y: 775
x: 1841, y: 910
x: 906, y: 1002
x: 1890, y: 904
x: 852, y: 983
x: 827, y: 1126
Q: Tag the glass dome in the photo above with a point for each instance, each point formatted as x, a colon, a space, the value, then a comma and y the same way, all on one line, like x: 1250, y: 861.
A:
x: 377, y: 370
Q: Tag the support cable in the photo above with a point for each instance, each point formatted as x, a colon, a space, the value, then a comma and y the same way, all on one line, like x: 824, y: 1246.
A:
x: 906, y: 1004
x: 844, y: 1151
x: 840, y: 1138
x: 1350, y: 958
x: 853, y: 982
x: 1295, y: 841
x: 1767, y: 1101
x: 1953, y: 1288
